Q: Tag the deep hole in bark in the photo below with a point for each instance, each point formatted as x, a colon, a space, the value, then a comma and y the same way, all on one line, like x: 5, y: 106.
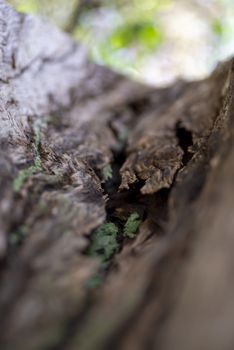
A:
x: 185, y: 140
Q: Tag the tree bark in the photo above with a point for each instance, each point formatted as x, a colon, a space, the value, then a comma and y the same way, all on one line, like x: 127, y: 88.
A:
x: 64, y: 124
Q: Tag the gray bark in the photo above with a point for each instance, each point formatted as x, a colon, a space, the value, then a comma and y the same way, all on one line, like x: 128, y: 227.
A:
x: 63, y: 122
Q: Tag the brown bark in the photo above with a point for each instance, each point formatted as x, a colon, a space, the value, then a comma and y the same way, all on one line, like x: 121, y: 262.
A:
x: 63, y: 121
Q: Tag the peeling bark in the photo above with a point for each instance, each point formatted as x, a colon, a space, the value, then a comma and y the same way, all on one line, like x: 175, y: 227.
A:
x: 82, y: 146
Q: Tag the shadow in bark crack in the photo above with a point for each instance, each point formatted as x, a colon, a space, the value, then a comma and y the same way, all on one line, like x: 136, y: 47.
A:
x: 185, y: 140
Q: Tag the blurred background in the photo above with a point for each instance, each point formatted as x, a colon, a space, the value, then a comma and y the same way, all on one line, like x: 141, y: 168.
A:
x: 155, y: 41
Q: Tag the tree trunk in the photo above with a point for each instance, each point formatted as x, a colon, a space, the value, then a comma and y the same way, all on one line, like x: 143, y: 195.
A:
x: 82, y: 146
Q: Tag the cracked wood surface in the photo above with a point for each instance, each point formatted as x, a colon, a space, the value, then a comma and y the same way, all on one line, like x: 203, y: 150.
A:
x: 63, y: 120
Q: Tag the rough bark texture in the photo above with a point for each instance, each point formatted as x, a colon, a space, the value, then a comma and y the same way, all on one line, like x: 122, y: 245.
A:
x: 63, y: 122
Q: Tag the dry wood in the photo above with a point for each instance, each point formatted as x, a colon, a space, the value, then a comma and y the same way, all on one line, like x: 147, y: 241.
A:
x: 63, y: 123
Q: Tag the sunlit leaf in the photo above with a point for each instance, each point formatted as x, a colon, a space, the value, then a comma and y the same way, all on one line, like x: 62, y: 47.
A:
x: 144, y: 34
x: 218, y: 28
x: 28, y: 6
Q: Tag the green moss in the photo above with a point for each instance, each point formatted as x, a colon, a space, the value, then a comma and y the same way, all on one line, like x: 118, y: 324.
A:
x: 18, y: 236
x: 42, y: 207
x: 107, y: 173
x: 132, y: 225
x: 104, y: 242
x: 103, y: 245
x: 36, y: 146
x: 94, y: 281
x: 23, y: 176
x: 123, y: 136
x: 35, y: 168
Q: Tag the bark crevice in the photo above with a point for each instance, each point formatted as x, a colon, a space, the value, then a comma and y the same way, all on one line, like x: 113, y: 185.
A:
x: 109, y: 147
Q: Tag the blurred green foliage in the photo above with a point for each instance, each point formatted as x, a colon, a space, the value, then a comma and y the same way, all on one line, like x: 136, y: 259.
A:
x: 124, y: 34
x: 144, y: 33
x: 134, y: 33
x: 58, y: 11
x: 218, y: 27
x: 30, y: 6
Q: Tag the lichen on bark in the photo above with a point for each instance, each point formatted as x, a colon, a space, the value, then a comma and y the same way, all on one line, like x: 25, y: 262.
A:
x: 170, y: 151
